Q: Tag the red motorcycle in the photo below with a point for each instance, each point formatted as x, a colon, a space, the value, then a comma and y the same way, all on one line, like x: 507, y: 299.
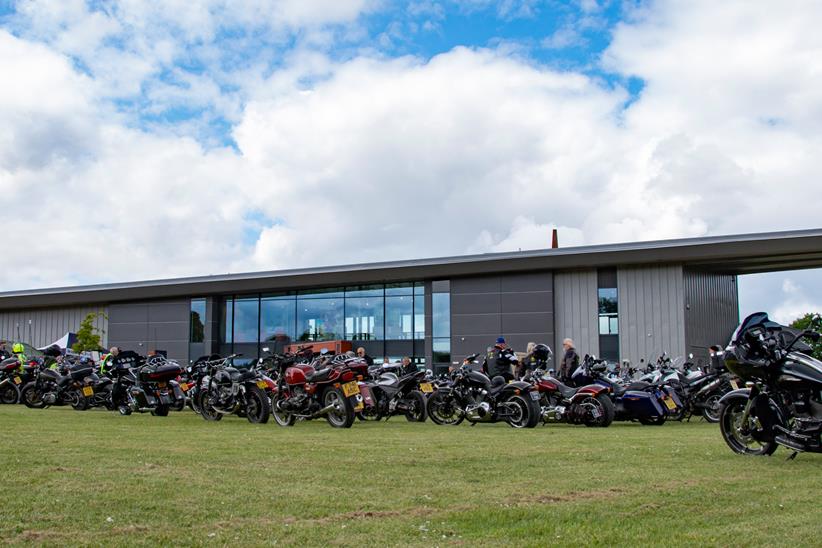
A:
x: 328, y: 387
x: 590, y: 405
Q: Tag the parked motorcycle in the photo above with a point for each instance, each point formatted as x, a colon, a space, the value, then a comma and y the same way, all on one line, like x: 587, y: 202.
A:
x: 50, y: 387
x: 145, y: 385
x: 227, y: 390
x: 781, y: 403
x: 11, y: 380
x: 304, y: 392
x: 395, y: 394
x: 471, y: 395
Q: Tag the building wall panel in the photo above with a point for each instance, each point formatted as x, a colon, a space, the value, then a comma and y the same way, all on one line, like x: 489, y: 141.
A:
x: 651, y: 312
x: 146, y: 326
x: 711, y: 311
x: 43, y: 326
x: 576, y: 310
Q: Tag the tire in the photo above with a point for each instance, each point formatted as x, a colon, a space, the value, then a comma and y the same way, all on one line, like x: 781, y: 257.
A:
x: 124, y: 410
x: 711, y: 409
x: 258, y: 406
x: 207, y: 411
x: 416, y: 402
x: 79, y: 402
x: 179, y: 404
x: 529, y: 412
x: 730, y: 423
x: 606, y: 407
x: 160, y: 411
x: 443, y: 410
x: 9, y: 393
x: 283, y: 418
x: 343, y: 417
x: 32, y: 397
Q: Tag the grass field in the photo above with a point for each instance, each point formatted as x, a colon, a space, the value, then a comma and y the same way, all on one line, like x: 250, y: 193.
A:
x: 74, y: 478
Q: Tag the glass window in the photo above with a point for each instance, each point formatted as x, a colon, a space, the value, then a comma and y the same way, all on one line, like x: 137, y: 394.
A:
x: 319, y: 319
x: 399, y: 318
x: 246, y: 320
x: 419, y: 288
x: 608, y: 311
x: 198, y: 318
x: 364, y: 291
x: 442, y: 350
x: 227, y: 321
x: 364, y: 318
x: 327, y: 293
x: 399, y: 289
x: 441, y: 314
x: 419, y: 317
x: 278, y: 319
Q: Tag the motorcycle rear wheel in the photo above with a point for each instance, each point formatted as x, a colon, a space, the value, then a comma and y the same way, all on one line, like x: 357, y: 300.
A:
x: 711, y: 409
x: 730, y: 423
x: 258, y: 406
x: 9, y: 394
x: 529, y: 412
x: 416, y: 407
x: 444, y: 410
x: 343, y: 415
x: 207, y: 411
x: 606, y: 408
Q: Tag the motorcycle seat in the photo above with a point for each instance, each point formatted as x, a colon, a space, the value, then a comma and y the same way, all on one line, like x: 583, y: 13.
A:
x: 320, y: 375
x: 103, y: 382
x: 497, y: 384
x: 247, y: 374
x: 564, y: 389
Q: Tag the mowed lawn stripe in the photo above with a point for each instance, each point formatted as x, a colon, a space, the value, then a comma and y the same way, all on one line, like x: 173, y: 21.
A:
x: 99, y: 478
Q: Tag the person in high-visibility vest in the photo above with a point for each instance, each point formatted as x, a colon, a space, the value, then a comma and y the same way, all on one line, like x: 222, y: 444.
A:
x: 20, y: 351
x: 108, y: 360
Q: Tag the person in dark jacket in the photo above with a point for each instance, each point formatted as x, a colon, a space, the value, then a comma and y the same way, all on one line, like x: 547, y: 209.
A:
x: 361, y: 353
x: 499, y: 360
x: 570, y: 361
x: 408, y: 367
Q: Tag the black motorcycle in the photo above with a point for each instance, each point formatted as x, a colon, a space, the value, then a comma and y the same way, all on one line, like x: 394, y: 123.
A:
x: 55, y: 386
x: 472, y: 396
x: 228, y: 390
x: 145, y: 385
x: 393, y: 393
x: 12, y: 378
x: 781, y: 403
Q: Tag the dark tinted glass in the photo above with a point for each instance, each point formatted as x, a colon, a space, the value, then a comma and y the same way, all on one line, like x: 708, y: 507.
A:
x: 399, y: 318
x: 364, y: 318
x: 278, y: 319
x: 319, y: 319
x: 441, y: 314
x: 246, y: 320
x: 198, y: 319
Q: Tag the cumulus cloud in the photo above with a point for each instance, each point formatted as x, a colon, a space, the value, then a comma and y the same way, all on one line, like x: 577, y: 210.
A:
x: 365, y: 157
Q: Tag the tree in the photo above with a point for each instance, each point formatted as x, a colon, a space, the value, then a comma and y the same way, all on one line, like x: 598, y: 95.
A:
x: 88, y: 336
x: 812, y: 321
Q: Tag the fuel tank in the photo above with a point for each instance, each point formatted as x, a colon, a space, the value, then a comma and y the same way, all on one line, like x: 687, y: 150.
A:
x: 297, y: 374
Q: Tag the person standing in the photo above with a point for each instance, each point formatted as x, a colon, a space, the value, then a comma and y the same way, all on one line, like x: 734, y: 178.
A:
x: 361, y: 353
x: 408, y: 366
x: 499, y: 361
x: 528, y: 362
x: 108, y: 360
x: 570, y: 361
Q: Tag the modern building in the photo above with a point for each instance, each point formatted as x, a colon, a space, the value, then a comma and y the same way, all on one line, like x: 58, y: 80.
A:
x: 623, y: 301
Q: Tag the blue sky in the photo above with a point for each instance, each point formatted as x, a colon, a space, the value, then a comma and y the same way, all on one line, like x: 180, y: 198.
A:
x: 211, y: 136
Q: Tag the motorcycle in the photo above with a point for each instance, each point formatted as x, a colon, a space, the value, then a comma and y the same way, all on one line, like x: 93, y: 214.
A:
x: 471, y: 395
x: 11, y: 379
x: 142, y: 385
x: 394, y: 394
x: 227, y: 390
x: 50, y: 387
x: 305, y: 392
x: 647, y: 403
x: 781, y: 403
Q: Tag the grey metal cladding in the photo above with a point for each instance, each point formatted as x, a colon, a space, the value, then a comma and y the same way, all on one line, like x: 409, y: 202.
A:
x: 576, y: 310
x: 50, y: 324
x: 651, y: 312
x: 178, y: 311
x: 128, y: 332
x: 527, y: 282
x: 128, y: 313
x: 526, y: 302
x: 526, y: 322
x: 481, y: 303
x: 711, y: 310
x: 473, y: 285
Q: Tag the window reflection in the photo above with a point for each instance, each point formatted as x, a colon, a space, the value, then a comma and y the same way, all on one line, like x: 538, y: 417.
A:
x: 399, y: 318
x: 364, y: 318
x: 278, y: 317
x: 319, y: 319
x: 197, y: 322
x: 246, y: 320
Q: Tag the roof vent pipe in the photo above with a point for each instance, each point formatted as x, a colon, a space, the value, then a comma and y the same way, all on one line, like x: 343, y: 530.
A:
x: 554, y: 239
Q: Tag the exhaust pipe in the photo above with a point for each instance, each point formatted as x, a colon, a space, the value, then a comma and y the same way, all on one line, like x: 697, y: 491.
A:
x: 324, y: 411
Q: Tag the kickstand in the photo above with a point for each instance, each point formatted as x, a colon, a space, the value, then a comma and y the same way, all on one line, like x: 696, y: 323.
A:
x: 792, y: 456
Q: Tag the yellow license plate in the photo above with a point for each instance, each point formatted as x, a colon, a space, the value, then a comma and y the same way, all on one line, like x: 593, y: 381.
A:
x: 669, y: 403
x: 17, y: 380
x: 184, y: 386
x: 262, y: 384
x: 88, y: 391
x: 734, y: 385
x: 351, y: 389
x: 359, y: 407
x: 426, y: 388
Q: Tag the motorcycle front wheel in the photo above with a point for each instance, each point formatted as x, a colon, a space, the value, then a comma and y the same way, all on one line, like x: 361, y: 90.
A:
x: 32, y: 397
x: 283, y: 418
x: 342, y: 416
x: 207, y: 411
x: 711, y: 409
x: 444, y: 410
x: 415, y: 403
x: 745, y: 439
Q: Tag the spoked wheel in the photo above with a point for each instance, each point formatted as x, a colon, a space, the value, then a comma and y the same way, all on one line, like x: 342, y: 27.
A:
x: 745, y: 438
x: 524, y: 412
x: 602, y: 410
x: 207, y: 410
x: 444, y: 410
x: 283, y: 418
x: 711, y: 409
x: 9, y: 393
x: 32, y: 397
x: 258, y: 406
x: 342, y: 416
x: 415, y: 403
